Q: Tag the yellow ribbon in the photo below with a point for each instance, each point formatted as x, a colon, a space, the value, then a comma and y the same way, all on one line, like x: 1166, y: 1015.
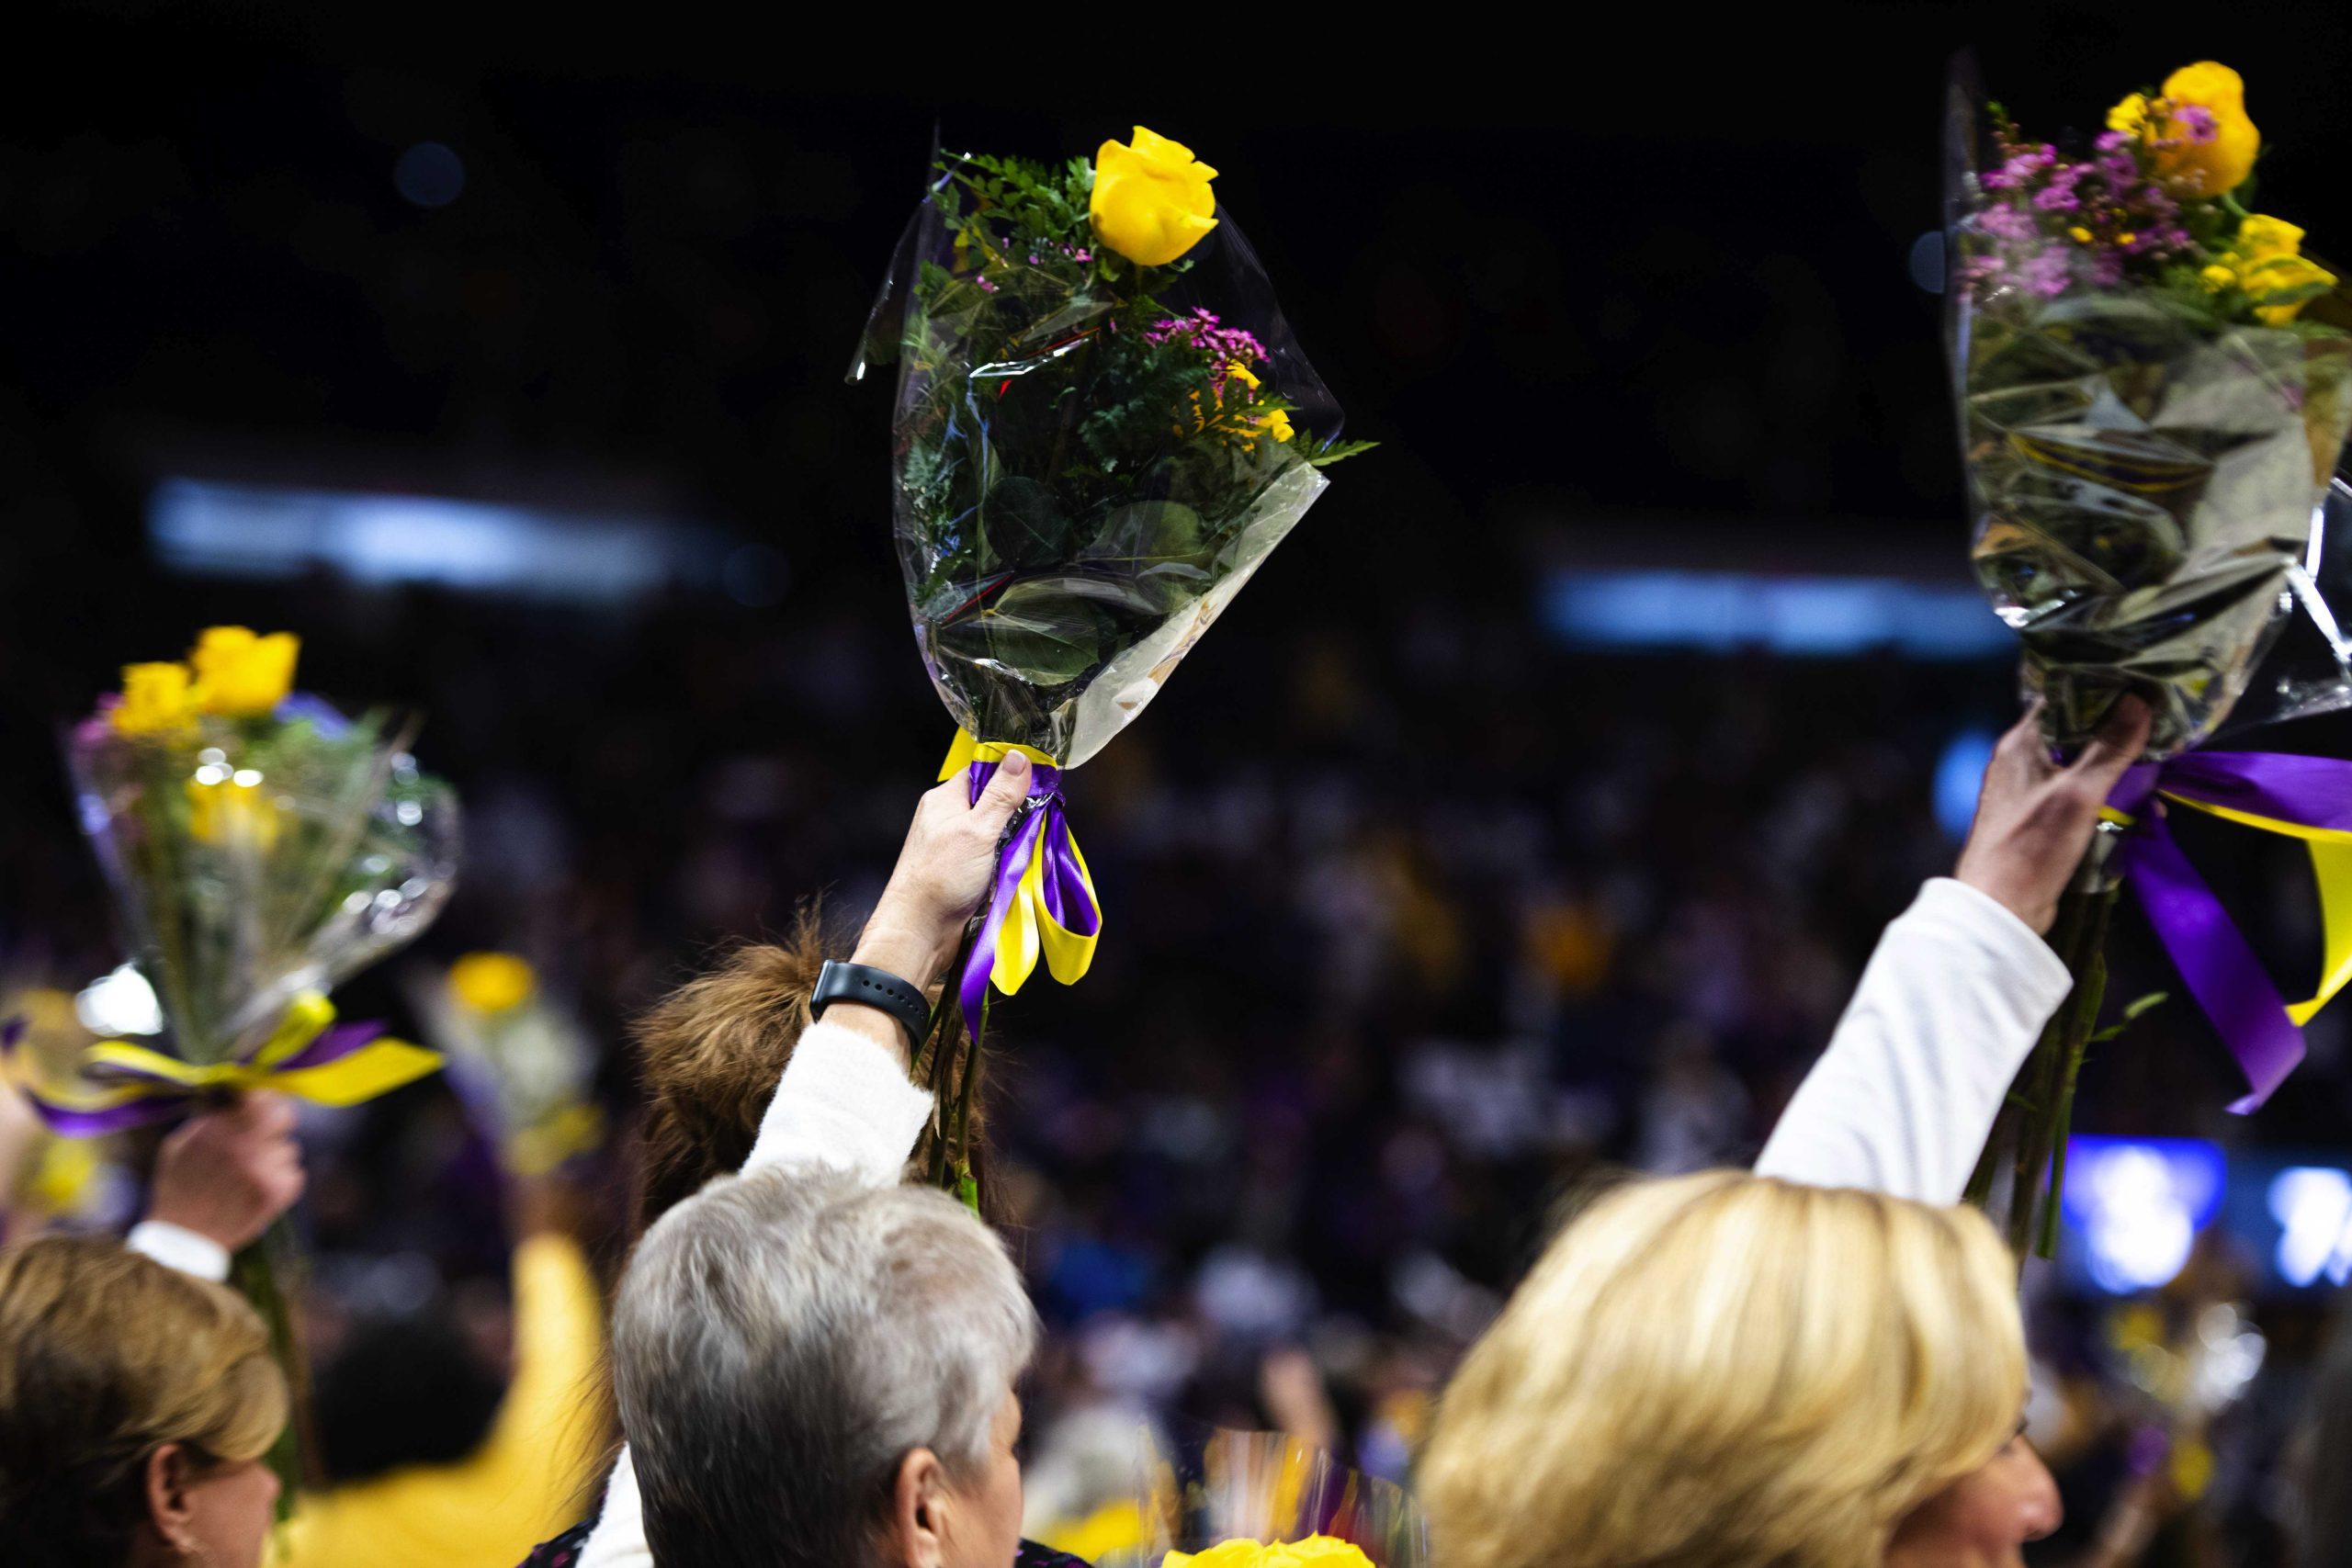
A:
x: 1029, y: 927
x: 377, y: 1068
x: 2331, y: 852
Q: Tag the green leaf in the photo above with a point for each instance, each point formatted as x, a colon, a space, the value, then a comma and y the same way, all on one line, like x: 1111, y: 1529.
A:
x: 2132, y: 1010
x: 1340, y: 451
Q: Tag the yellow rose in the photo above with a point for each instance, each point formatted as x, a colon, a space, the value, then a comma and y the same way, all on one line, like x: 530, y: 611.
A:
x: 2221, y: 162
x: 1152, y: 200
x: 1315, y: 1551
x: 2131, y: 116
x: 491, y: 982
x: 157, y: 700
x: 2266, y: 258
x: 233, y: 812
x: 1277, y: 424
x: 242, y: 675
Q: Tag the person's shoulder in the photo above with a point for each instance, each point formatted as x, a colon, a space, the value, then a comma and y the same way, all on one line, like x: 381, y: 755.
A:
x: 561, y: 1553
x: 1031, y: 1555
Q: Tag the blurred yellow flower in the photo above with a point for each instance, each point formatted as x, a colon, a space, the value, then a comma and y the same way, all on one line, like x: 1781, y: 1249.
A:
x: 491, y: 982
x: 1116, y: 1527
x: 2266, y: 259
x: 157, y: 700
x: 1277, y: 424
x: 242, y: 675
x: 233, y: 812
x: 2191, y: 164
x: 1315, y: 1551
x: 1151, y: 201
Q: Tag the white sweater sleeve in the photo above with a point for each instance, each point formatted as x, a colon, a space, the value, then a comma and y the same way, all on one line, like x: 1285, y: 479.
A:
x: 844, y: 1101
x: 177, y: 1246
x: 1947, y: 1012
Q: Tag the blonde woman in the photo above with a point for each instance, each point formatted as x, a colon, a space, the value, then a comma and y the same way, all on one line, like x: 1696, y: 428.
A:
x: 1728, y: 1370
x: 136, y: 1407
x: 1744, y: 1371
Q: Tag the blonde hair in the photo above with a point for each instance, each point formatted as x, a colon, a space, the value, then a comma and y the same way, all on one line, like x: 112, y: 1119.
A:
x: 1724, y: 1370
x: 105, y: 1357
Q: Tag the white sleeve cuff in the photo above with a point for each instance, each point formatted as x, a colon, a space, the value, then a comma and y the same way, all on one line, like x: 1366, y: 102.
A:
x: 844, y: 1101
x: 177, y: 1246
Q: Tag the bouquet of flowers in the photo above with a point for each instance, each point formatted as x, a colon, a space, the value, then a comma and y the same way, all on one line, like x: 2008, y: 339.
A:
x: 2153, y: 390
x: 1102, y: 426
x: 518, y: 1059
x: 260, y: 847
x: 1219, y: 1498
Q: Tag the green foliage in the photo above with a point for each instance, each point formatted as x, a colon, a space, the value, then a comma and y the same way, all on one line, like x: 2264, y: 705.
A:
x: 1070, y: 472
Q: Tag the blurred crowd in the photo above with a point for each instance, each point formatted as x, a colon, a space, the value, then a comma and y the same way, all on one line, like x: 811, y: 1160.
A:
x: 1495, y: 918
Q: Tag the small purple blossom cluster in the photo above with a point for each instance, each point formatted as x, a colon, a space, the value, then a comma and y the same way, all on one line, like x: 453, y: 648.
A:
x: 2052, y: 221
x: 1225, y: 347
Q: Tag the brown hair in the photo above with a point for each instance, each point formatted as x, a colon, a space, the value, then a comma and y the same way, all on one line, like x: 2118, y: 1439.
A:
x: 710, y: 1052
x: 105, y: 1357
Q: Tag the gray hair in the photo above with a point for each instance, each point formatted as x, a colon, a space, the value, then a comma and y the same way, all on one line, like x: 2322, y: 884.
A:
x: 782, y: 1341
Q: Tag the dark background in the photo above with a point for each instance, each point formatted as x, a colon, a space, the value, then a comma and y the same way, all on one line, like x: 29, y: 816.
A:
x: 1600, y: 297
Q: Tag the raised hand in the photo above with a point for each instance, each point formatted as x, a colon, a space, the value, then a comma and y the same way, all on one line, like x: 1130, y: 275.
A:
x: 227, y: 1173
x: 2035, y: 816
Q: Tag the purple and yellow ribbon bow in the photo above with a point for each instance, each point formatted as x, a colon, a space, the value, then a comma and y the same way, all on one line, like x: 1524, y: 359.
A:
x: 1042, y: 900
x: 2305, y: 797
x: 307, y: 1055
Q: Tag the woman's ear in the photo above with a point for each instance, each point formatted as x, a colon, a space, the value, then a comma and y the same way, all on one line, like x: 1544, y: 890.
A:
x: 918, y: 1505
x: 169, y: 1473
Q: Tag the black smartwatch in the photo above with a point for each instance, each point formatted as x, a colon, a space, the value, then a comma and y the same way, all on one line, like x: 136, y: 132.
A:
x: 872, y: 987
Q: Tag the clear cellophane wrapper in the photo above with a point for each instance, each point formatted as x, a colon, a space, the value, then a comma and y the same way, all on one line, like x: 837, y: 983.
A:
x: 1076, y: 491
x: 2146, y: 486
x: 523, y: 1070
x: 1201, y: 1487
x: 253, y: 861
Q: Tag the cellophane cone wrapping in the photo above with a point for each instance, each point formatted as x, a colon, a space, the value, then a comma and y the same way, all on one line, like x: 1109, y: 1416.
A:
x: 250, y: 861
x: 1085, y: 468
x: 1198, y: 1487
x: 2144, y: 473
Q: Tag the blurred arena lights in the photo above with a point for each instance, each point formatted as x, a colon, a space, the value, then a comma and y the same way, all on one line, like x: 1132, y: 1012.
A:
x: 1805, y: 617
x: 2313, y: 1207
x: 2138, y: 1204
x: 209, y: 529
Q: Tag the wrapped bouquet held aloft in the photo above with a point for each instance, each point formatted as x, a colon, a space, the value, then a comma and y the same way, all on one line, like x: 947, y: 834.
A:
x: 260, y: 847
x: 1102, y: 426
x: 2155, y: 388
x: 2150, y: 411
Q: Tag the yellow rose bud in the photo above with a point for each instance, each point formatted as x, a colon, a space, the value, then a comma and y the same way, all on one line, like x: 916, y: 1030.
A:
x: 157, y: 700
x: 491, y: 982
x: 242, y: 675
x: 2216, y: 278
x: 2261, y: 237
x: 2129, y: 116
x: 233, y: 812
x: 1315, y: 1551
x: 1152, y: 200
x: 1277, y: 424
x: 2212, y: 166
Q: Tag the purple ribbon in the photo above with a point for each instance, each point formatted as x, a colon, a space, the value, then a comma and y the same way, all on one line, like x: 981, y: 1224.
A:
x: 2213, y: 957
x: 1043, y: 830
x: 163, y: 1098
